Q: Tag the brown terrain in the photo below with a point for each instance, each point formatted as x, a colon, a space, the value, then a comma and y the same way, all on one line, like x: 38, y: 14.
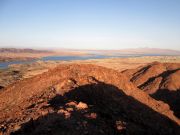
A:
x: 20, y: 71
x: 89, y: 99
x: 160, y: 80
x: 113, y: 96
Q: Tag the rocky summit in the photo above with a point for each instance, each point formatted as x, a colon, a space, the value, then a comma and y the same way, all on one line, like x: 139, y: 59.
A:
x: 84, y: 99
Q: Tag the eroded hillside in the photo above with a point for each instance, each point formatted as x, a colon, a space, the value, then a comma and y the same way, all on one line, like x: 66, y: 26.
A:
x: 82, y: 99
x: 160, y: 80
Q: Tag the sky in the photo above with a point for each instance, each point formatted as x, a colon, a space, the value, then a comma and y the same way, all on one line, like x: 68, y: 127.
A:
x: 90, y: 24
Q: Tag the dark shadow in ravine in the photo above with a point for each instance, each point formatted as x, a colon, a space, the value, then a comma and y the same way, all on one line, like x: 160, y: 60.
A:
x: 110, y: 112
x: 172, y: 98
x: 163, y: 75
x: 1, y: 87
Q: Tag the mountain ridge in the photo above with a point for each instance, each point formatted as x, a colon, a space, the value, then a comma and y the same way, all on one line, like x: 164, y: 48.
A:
x: 92, y: 82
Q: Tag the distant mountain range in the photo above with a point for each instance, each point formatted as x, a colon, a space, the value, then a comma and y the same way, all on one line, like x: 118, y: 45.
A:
x: 139, y: 51
x: 15, y: 50
x: 133, y: 51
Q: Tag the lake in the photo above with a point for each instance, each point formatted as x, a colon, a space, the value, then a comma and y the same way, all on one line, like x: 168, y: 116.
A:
x: 63, y: 58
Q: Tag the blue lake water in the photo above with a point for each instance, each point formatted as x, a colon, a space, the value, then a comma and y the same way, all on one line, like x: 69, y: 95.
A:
x: 59, y: 58
x: 6, y: 64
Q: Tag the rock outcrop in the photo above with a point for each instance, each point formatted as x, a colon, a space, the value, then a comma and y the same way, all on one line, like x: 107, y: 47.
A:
x: 82, y: 99
x: 160, y: 80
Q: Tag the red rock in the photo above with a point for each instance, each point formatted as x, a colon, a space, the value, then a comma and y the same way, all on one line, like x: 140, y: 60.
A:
x: 81, y: 106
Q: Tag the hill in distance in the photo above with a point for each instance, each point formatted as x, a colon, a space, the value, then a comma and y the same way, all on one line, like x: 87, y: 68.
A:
x: 138, y: 51
x: 15, y: 50
x: 63, y: 51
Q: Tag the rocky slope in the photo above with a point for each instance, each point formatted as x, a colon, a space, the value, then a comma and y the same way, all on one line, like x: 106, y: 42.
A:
x: 82, y: 99
x: 160, y: 80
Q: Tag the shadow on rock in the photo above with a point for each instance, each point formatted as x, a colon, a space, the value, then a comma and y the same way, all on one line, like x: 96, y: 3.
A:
x: 98, y: 109
x: 163, y: 75
x: 172, y: 98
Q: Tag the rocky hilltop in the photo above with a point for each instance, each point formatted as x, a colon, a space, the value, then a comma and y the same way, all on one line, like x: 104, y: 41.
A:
x: 82, y: 99
x: 160, y: 80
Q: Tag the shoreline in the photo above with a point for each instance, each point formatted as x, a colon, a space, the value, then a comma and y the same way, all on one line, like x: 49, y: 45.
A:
x: 20, y: 71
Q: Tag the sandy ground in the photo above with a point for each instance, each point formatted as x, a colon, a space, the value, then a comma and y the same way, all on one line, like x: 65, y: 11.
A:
x: 129, y: 63
x: 21, y: 71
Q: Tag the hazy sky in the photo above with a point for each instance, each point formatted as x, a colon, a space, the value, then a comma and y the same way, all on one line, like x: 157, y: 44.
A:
x: 90, y: 24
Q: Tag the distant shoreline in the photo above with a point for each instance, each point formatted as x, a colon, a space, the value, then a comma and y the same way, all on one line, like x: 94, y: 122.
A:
x: 60, y: 58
